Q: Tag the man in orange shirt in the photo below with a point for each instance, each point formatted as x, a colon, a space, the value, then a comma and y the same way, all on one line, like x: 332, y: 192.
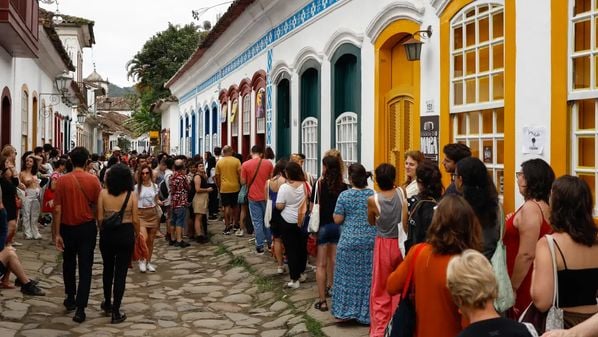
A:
x: 75, y: 199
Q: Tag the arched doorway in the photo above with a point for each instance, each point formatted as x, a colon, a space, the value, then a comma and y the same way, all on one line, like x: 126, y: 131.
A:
x: 283, y: 119
x: 5, y: 117
x: 397, y: 97
x: 34, y: 120
x: 310, y: 119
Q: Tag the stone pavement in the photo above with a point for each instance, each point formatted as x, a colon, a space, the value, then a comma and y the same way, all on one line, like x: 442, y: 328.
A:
x: 221, y: 289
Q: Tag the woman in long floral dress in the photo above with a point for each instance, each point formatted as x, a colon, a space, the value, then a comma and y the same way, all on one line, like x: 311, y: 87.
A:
x: 353, y: 271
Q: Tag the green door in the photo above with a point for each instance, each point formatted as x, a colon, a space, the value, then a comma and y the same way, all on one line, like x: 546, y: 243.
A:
x: 283, y: 120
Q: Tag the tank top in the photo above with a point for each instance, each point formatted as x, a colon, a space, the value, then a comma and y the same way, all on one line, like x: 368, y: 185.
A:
x: 577, y: 287
x: 390, y: 215
x: 511, y: 241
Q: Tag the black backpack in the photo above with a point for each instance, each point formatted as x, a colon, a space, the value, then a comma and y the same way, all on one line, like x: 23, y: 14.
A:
x: 191, y: 194
x: 163, y: 193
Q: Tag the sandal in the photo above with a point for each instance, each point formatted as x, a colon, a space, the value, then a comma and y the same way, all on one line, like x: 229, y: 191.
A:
x: 322, y: 306
x: 6, y: 286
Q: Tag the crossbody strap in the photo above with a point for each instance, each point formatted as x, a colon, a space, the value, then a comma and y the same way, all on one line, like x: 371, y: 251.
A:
x: 122, y: 209
x: 555, y: 294
x: 255, y: 175
x: 81, y: 189
x: 412, y: 270
x: 317, y: 194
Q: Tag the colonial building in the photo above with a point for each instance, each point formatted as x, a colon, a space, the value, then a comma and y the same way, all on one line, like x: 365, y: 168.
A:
x: 41, y: 87
x: 512, y: 79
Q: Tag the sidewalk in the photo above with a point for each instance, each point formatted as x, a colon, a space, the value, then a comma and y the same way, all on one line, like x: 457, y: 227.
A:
x: 222, y: 289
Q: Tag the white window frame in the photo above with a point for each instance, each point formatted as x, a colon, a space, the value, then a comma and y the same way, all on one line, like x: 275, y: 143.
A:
x: 592, y: 15
x: 347, y: 137
x: 246, y: 122
x: 576, y: 134
x: 215, y: 140
x: 310, y: 144
x: 468, y: 109
x: 460, y: 20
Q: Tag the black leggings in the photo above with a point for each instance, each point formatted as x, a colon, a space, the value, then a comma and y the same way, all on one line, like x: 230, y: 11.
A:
x: 295, y: 246
x: 117, y: 248
x: 213, y: 205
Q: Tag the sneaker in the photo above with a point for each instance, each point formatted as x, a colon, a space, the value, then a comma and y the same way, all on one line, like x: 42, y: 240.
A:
x: 303, y: 278
x: 293, y: 284
x: 151, y: 268
x: 167, y: 237
x: 16, y: 244
x: 226, y: 231
x: 69, y: 304
x: 32, y: 290
x: 171, y: 243
x: 142, y: 266
x: 259, y: 250
x: 309, y: 267
x: 239, y: 233
x: 37, y: 237
x: 181, y: 244
x: 280, y: 270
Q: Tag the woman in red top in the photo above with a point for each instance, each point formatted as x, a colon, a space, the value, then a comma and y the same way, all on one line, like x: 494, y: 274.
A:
x: 526, y: 227
x: 454, y: 228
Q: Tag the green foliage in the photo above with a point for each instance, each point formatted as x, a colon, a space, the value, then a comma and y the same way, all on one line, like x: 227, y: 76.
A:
x: 313, y: 326
x: 159, y: 59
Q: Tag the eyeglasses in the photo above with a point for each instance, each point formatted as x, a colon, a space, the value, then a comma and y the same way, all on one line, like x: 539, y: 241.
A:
x: 518, y: 174
x: 145, y: 173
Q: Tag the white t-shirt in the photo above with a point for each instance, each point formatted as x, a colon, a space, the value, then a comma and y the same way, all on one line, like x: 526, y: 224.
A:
x: 292, y: 198
x: 147, y: 197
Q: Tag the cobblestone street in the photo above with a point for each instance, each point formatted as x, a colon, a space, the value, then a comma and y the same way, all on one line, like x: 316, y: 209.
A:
x: 219, y: 289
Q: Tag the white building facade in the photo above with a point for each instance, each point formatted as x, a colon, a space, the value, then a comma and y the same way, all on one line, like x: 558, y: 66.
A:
x: 511, y: 79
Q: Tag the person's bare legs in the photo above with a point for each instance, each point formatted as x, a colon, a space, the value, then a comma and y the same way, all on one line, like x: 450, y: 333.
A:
x: 228, y: 217
x: 151, y: 234
x: 198, y: 224
x: 321, y: 270
x: 331, y: 264
x: 243, y: 214
x: 10, y: 260
x: 278, y: 252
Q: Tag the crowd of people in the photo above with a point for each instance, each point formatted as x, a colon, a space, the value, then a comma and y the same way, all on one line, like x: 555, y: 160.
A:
x: 371, y: 247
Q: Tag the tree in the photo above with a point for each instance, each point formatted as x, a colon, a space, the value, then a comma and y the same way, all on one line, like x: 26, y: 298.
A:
x: 157, y: 61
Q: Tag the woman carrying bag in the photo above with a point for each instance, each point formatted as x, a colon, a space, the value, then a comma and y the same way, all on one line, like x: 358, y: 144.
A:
x: 117, y: 236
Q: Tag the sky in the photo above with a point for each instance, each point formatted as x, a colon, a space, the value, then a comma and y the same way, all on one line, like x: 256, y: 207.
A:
x: 123, y: 26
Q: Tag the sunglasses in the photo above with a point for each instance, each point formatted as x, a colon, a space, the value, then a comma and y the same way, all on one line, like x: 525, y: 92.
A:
x: 145, y: 173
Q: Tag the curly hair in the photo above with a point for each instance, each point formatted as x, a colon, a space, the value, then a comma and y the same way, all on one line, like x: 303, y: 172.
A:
x: 430, y: 179
x: 479, y: 190
x: 385, y: 175
x: 333, y: 176
x: 454, y: 227
x: 416, y: 155
x: 539, y: 177
x: 119, y: 179
x: 571, y: 207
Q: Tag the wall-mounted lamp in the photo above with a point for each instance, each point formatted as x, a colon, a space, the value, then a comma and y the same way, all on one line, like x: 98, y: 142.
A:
x: 81, y: 118
x: 413, y: 47
x: 62, y: 82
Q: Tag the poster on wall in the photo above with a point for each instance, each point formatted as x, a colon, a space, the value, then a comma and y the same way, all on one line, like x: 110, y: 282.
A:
x: 534, y: 138
x: 223, y: 113
x: 429, y: 137
x: 260, y: 102
x: 234, y: 110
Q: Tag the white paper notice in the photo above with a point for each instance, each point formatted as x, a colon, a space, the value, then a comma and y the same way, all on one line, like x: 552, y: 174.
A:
x: 534, y: 138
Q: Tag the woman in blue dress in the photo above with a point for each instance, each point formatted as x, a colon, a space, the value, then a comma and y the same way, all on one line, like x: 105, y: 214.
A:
x: 353, y: 271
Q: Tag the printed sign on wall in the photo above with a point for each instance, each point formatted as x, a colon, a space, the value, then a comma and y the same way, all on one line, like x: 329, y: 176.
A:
x: 429, y: 137
x: 534, y: 138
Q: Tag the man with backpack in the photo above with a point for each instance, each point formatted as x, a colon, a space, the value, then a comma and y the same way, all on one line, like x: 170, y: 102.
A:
x: 164, y: 194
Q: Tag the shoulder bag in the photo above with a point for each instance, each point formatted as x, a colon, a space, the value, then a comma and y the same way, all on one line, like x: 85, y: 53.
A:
x: 115, y: 220
x: 268, y: 212
x: 553, y: 318
x: 314, y: 217
x: 505, y: 298
x: 402, y: 323
x: 412, y: 223
x: 244, y: 191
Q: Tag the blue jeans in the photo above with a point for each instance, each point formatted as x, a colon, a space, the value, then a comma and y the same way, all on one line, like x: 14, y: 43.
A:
x: 178, y: 217
x: 257, y: 209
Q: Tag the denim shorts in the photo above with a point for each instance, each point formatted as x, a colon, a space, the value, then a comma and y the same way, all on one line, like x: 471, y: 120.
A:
x: 329, y: 234
x: 178, y: 216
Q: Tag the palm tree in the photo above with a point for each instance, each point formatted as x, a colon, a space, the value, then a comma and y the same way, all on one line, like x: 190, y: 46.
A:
x: 143, y: 121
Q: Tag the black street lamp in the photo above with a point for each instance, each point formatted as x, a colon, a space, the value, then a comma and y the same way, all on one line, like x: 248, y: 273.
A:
x: 413, y: 47
x: 61, y: 82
